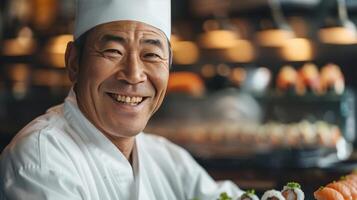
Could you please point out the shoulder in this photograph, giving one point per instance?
(32, 145)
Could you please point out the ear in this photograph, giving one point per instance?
(72, 61)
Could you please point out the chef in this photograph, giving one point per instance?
(92, 147)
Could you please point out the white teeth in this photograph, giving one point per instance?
(127, 99)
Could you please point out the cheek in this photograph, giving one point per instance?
(159, 80)
(95, 71)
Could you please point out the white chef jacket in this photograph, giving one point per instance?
(61, 155)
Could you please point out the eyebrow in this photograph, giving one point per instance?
(154, 42)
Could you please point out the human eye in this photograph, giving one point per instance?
(112, 53)
(152, 56)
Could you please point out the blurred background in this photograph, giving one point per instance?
(261, 91)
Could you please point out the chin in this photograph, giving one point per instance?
(126, 132)
(124, 128)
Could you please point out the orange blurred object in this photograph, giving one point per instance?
(309, 75)
(341, 188)
(332, 78)
(287, 77)
(344, 189)
(186, 82)
(326, 193)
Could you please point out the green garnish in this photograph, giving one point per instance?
(343, 178)
(252, 191)
(321, 187)
(293, 185)
(224, 196)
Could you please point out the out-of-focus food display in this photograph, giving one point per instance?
(305, 131)
(273, 134)
(287, 78)
(309, 79)
(332, 79)
(343, 189)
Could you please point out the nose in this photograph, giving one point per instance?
(132, 70)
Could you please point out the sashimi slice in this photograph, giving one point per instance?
(326, 193)
(342, 188)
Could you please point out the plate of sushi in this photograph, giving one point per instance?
(343, 189)
(291, 191)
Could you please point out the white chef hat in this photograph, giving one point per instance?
(91, 13)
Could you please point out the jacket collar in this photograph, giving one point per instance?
(92, 136)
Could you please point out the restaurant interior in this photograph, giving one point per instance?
(261, 92)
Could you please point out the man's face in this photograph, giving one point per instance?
(122, 76)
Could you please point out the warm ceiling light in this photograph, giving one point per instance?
(23, 44)
(45, 77)
(185, 52)
(174, 38)
(274, 37)
(344, 32)
(208, 71)
(338, 35)
(223, 70)
(210, 25)
(56, 48)
(19, 72)
(238, 75)
(58, 44)
(242, 51)
(297, 49)
(218, 39)
(19, 46)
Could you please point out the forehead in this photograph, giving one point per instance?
(128, 29)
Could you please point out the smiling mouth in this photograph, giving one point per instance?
(129, 100)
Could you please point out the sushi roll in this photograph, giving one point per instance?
(292, 191)
(272, 195)
(248, 195)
